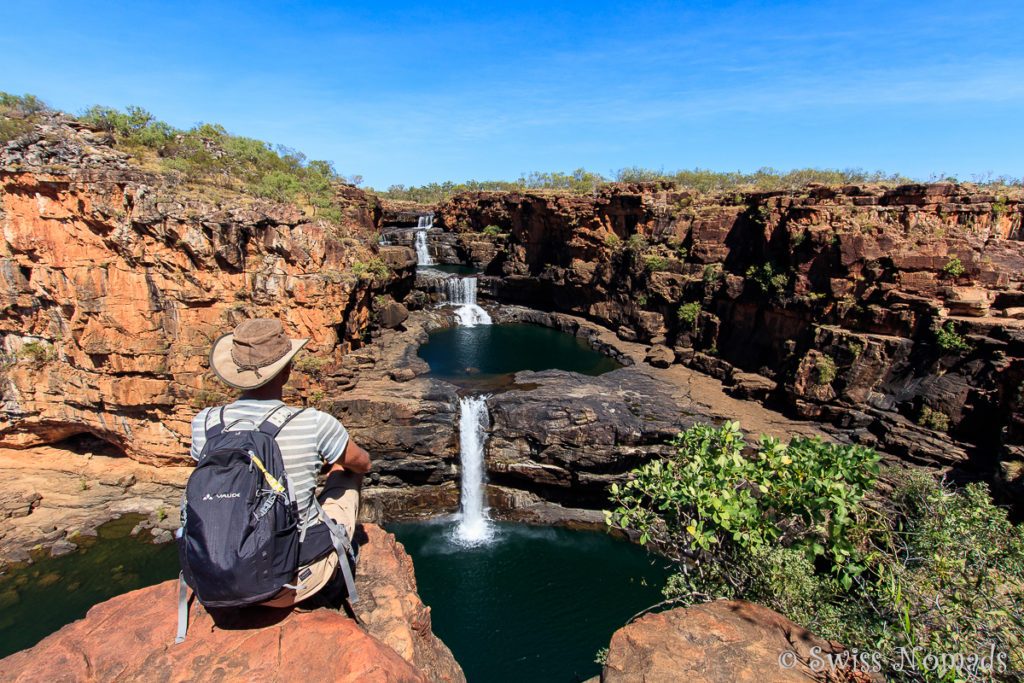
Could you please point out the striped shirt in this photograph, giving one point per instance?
(307, 442)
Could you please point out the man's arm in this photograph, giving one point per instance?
(354, 459)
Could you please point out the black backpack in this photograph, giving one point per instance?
(239, 542)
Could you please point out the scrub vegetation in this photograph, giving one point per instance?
(927, 577)
(582, 181)
(208, 154)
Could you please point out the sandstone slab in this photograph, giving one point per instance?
(725, 641)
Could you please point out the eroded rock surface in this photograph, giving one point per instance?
(114, 282)
(131, 637)
(718, 642)
(891, 313)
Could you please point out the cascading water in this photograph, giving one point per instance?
(422, 251)
(474, 528)
(461, 293)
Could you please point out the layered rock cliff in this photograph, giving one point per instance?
(114, 281)
(893, 313)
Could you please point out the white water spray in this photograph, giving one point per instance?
(461, 293)
(422, 252)
(474, 528)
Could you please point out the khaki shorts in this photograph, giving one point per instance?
(340, 500)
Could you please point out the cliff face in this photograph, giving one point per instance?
(894, 313)
(114, 282)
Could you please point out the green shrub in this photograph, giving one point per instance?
(374, 268)
(948, 339)
(656, 263)
(712, 272)
(37, 351)
(688, 314)
(954, 268)
(492, 231)
(825, 369)
(17, 114)
(933, 419)
(636, 243)
(768, 277)
(927, 572)
(612, 241)
(711, 502)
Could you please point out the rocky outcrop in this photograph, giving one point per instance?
(114, 282)
(52, 498)
(722, 642)
(890, 312)
(556, 439)
(131, 637)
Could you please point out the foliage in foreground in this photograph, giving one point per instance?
(921, 582)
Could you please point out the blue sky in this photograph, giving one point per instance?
(404, 93)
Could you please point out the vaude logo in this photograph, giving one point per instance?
(222, 495)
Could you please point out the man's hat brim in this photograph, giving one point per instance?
(224, 366)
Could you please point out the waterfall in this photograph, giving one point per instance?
(461, 293)
(474, 527)
(422, 252)
(425, 222)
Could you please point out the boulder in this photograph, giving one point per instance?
(660, 356)
(717, 642)
(393, 315)
(131, 637)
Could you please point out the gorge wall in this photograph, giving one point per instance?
(892, 313)
(115, 281)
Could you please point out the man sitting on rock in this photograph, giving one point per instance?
(257, 358)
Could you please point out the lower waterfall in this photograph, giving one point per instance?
(473, 527)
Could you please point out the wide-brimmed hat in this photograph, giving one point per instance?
(254, 353)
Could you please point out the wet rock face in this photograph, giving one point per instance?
(114, 283)
(884, 311)
(132, 636)
(571, 435)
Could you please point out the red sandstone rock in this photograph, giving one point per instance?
(131, 637)
(113, 283)
(726, 641)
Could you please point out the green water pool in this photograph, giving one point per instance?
(38, 599)
(535, 604)
(483, 357)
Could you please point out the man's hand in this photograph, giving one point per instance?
(354, 459)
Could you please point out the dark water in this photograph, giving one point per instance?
(38, 599)
(455, 268)
(534, 605)
(484, 356)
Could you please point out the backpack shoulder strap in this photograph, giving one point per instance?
(216, 429)
(275, 421)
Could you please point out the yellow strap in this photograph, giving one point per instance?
(274, 483)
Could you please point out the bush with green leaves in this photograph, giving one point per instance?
(954, 268)
(17, 114)
(927, 573)
(492, 231)
(948, 339)
(824, 369)
(711, 501)
(208, 154)
(655, 263)
(688, 314)
(769, 277)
